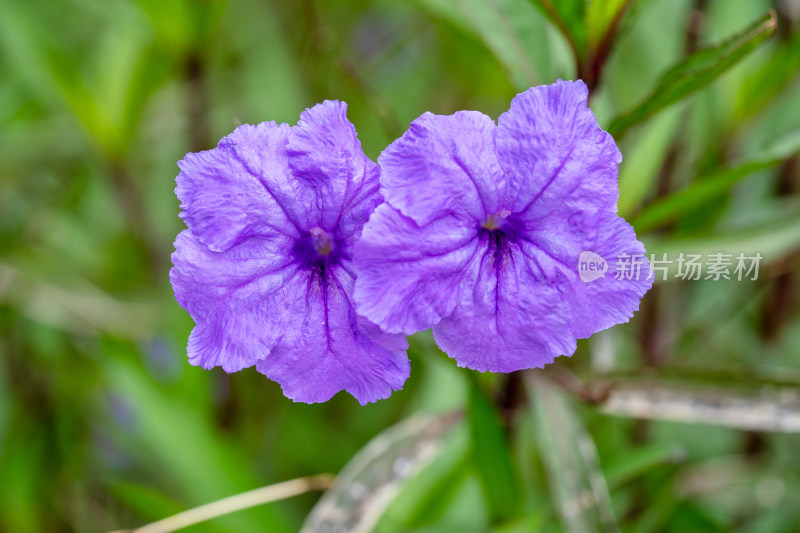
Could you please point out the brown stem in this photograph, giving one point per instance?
(695, 26)
(783, 290)
(652, 333)
(510, 397)
(591, 70)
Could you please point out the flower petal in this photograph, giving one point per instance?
(408, 276)
(511, 317)
(236, 298)
(328, 348)
(240, 189)
(555, 153)
(556, 246)
(324, 153)
(441, 165)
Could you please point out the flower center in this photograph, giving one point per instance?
(317, 249)
(495, 221)
(322, 241)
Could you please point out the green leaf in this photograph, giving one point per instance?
(577, 484)
(638, 462)
(184, 25)
(372, 479)
(589, 28)
(145, 500)
(601, 17)
(47, 69)
(511, 29)
(22, 477)
(493, 458)
(672, 207)
(773, 240)
(768, 78)
(660, 508)
(569, 16)
(126, 72)
(677, 204)
(644, 154)
(697, 71)
(176, 441)
(426, 498)
(129, 73)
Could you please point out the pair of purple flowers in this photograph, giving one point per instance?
(309, 261)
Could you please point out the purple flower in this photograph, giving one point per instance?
(483, 228)
(265, 268)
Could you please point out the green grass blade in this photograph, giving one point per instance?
(672, 207)
(372, 479)
(493, 458)
(774, 240)
(682, 202)
(600, 17)
(569, 16)
(578, 486)
(697, 71)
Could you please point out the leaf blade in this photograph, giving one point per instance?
(571, 460)
(694, 196)
(697, 71)
(372, 478)
(492, 457)
(569, 16)
(773, 240)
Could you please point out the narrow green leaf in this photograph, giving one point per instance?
(129, 72)
(600, 18)
(147, 501)
(769, 78)
(644, 154)
(569, 16)
(576, 482)
(493, 458)
(184, 25)
(22, 478)
(373, 478)
(773, 240)
(660, 508)
(697, 71)
(47, 69)
(641, 461)
(427, 498)
(173, 439)
(672, 207)
(108, 103)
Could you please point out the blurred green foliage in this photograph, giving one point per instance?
(103, 424)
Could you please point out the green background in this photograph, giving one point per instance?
(104, 425)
